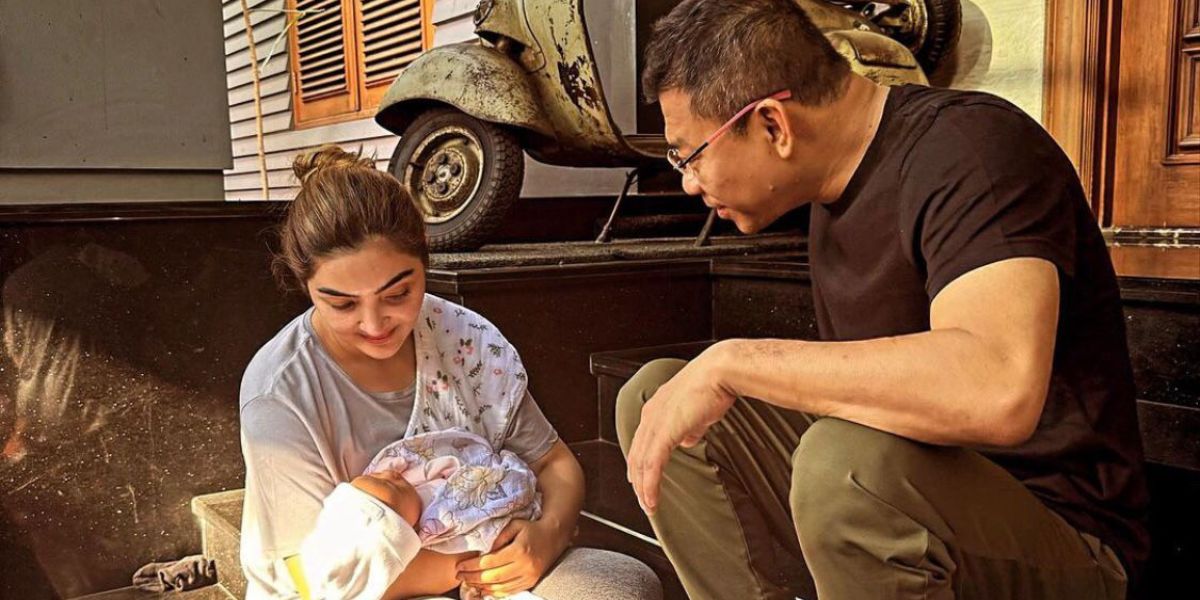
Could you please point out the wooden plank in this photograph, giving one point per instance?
(380, 148)
(362, 129)
(243, 76)
(270, 86)
(275, 103)
(271, 28)
(281, 121)
(232, 9)
(235, 26)
(1174, 262)
(286, 193)
(241, 57)
(252, 181)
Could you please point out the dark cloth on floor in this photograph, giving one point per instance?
(184, 574)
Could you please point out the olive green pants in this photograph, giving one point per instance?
(874, 515)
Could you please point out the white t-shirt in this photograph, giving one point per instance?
(305, 427)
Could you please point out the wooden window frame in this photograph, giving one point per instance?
(362, 99)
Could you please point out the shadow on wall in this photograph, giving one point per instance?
(122, 350)
(972, 58)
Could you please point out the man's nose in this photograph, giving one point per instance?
(691, 185)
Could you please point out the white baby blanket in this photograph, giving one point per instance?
(469, 491)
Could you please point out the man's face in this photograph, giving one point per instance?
(741, 175)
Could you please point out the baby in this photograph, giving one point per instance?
(456, 491)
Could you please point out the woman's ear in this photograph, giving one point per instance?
(777, 129)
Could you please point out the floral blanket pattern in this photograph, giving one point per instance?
(469, 491)
(468, 375)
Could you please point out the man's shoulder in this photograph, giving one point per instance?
(915, 101)
(974, 133)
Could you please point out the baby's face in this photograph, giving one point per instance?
(388, 487)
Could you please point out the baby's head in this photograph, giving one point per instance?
(390, 488)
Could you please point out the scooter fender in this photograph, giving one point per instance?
(476, 79)
(877, 57)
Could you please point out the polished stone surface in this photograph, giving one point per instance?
(123, 348)
(565, 253)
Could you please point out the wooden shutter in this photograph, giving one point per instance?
(324, 73)
(391, 34)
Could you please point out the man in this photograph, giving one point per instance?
(966, 427)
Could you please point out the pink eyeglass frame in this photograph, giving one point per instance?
(681, 165)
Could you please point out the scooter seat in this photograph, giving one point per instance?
(650, 144)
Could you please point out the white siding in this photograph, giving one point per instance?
(282, 142)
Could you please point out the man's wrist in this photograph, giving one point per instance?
(721, 358)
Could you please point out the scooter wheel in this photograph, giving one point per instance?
(463, 174)
(943, 23)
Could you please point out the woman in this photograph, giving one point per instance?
(376, 360)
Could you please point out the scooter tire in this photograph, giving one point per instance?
(501, 174)
(942, 32)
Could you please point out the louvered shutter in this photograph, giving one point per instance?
(324, 73)
(391, 35)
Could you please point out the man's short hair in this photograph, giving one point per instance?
(727, 53)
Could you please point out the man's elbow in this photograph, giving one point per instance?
(1017, 419)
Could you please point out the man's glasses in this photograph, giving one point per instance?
(681, 164)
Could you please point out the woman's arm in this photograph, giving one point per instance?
(560, 479)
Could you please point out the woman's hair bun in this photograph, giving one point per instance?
(328, 157)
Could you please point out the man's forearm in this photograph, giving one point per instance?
(942, 386)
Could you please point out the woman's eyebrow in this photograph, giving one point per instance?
(397, 279)
(393, 281)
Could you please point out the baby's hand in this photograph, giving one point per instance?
(393, 490)
(468, 592)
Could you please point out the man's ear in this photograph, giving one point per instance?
(776, 127)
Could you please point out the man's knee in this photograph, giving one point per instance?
(835, 464)
(637, 391)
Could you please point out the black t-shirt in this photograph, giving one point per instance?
(956, 180)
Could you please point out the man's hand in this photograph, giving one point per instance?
(679, 414)
(394, 491)
(520, 556)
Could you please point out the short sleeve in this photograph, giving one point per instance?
(530, 435)
(286, 481)
(985, 183)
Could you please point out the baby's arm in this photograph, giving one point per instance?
(363, 541)
(430, 573)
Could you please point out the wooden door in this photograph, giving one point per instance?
(1123, 97)
(1157, 151)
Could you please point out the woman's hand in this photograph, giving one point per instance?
(521, 554)
(393, 490)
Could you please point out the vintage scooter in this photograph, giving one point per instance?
(467, 112)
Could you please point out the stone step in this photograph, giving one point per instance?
(612, 369)
(220, 516)
(212, 592)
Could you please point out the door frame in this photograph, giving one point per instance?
(1079, 103)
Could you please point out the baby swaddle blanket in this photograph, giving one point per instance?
(469, 491)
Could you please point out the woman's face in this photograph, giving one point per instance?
(368, 299)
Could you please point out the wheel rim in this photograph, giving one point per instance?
(445, 172)
(909, 27)
(918, 26)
